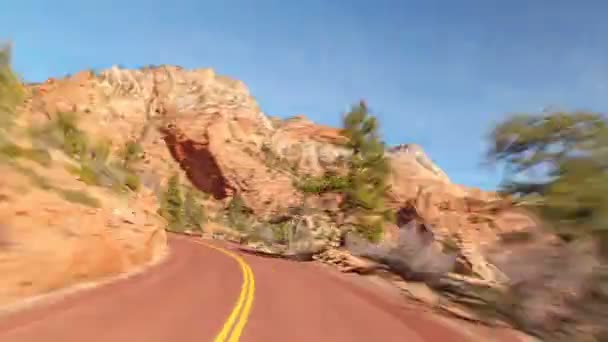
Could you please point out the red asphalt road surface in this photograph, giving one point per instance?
(189, 296)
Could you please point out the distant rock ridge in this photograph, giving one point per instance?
(420, 156)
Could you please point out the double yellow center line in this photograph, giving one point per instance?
(233, 327)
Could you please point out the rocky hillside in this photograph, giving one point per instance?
(214, 129)
(56, 230)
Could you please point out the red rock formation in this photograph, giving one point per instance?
(227, 145)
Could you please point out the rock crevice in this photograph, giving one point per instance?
(199, 164)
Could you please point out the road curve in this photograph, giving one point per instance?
(191, 296)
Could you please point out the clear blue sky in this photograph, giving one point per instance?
(437, 73)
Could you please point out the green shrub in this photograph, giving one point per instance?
(193, 213)
(182, 211)
(112, 175)
(171, 206)
(75, 196)
(132, 181)
(79, 197)
(100, 151)
(97, 168)
(75, 144)
(12, 151)
(62, 132)
(86, 174)
(96, 164)
(279, 233)
(131, 153)
(326, 183)
(372, 232)
(238, 214)
(40, 156)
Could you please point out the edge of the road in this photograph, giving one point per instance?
(58, 295)
(230, 332)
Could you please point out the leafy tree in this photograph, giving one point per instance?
(557, 165)
(368, 171)
(561, 161)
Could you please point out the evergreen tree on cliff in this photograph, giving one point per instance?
(193, 212)
(368, 171)
(172, 204)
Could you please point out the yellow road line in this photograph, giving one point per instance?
(238, 317)
(240, 325)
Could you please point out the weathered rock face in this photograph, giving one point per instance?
(49, 240)
(309, 148)
(410, 160)
(217, 133)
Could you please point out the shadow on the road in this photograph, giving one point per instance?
(300, 257)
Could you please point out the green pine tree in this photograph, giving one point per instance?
(193, 211)
(368, 171)
(172, 204)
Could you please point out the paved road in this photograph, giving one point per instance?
(202, 293)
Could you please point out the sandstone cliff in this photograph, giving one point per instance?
(216, 132)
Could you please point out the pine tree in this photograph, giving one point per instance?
(172, 204)
(193, 211)
(368, 171)
(561, 161)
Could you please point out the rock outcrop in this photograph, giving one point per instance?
(215, 130)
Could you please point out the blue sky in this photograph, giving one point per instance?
(436, 73)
